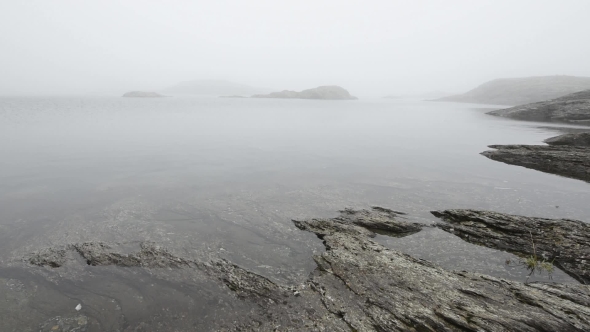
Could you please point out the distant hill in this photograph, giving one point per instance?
(332, 92)
(518, 91)
(214, 88)
(573, 108)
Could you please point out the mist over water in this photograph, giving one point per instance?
(188, 166)
(210, 178)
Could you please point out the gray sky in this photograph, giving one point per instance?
(371, 48)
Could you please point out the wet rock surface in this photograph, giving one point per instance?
(65, 324)
(360, 285)
(572, 108)
(567, 155)
(569, 161)
(102, 254)
(563, 241)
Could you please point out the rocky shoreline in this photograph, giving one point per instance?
(566, 155)
(564, 242)
(360, 285)
(573, 108)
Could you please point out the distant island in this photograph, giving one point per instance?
(518, 91)
(142, 94)
(573, 108)
(214, 88)
(235, 96)
(425, 95)
(328, 92)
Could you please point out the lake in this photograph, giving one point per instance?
(212, 178)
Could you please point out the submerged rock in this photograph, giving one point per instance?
(102, 254)
(565, 160)
(142, 94)
(565, 242)
(573, 108)
(65, 324)
(322, 92)
(52, 257)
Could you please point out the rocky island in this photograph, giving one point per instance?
(142, 94)
(524, 90)
(328, 92)
(573, 108)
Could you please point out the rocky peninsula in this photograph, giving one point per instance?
(360, 285)
(522, 90)
(329, 92)
(566, 155)
(573, 108)
(142, 94)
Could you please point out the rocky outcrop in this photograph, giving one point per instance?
(142, 94)
(573, 108)
(150, 255)
(563, 241)
(519, 91)
(568, 161)
(580, 139)
(359, 285)
(52, 257)
(568, 155)
(331, 92)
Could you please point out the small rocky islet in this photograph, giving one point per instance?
(328, 92)
(142, 94)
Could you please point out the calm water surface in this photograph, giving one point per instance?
(210, 178)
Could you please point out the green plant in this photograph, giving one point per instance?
(534, 263)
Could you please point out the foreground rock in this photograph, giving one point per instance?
(568, 155)
(142, 94)
(331, 92)
(566, 242)
(573, 108)
(524, 90)
(359, 285)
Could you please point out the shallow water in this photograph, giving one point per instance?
(210, 177)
